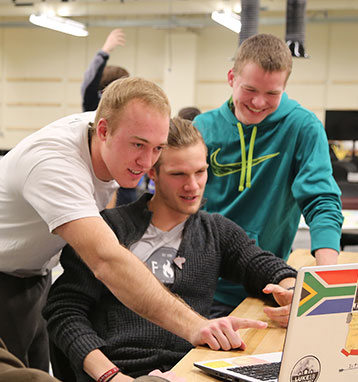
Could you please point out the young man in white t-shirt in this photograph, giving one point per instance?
(53, 186)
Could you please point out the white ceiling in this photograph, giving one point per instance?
(164, 13)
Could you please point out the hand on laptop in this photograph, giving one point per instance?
(221, 333)
(283, 297)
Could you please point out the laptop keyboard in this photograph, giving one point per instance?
(264, 371)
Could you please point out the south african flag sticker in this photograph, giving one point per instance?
(328, 292)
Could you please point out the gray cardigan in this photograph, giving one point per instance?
(83, 314)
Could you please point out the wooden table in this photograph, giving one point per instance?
(303, 258)
(257, 341)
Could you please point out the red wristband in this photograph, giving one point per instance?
(108, 374)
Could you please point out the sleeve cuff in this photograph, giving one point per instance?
(328, 238)
(103, 54)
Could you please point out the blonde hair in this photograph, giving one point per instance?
(267, 51)
(182, 133)
(117, 94)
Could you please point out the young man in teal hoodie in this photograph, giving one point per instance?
(269, 161)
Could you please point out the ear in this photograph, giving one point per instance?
(102, 129)
(151, 174)
(230, 77)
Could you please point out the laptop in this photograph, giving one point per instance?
(321, 343)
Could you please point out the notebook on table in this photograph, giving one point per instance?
(321, 343)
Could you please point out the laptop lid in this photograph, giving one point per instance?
(321, 342)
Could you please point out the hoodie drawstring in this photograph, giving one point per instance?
(246, 167)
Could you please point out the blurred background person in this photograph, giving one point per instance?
(189, 112)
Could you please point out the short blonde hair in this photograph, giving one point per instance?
(117, 95)
(267, 51)
(182, 133)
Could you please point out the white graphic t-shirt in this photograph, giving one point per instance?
(157, 249)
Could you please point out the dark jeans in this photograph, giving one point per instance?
(22, 326)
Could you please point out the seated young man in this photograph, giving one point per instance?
(186, 248)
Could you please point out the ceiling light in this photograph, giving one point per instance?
(59, 24)
(228, 19)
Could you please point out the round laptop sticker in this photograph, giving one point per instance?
(307, 369)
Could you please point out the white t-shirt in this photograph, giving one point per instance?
(45, 181)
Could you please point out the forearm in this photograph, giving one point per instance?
(144, 294)
(94, 71)
(91, 80)
(316, 191)
(96, 364)
(129, 279)
(326, 256)
(324, 218)
(266, 268)
(287, 283)
(244, 262)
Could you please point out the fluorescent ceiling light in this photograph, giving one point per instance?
(59, 24)
(228, 19)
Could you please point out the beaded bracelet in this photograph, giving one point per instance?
(108, 375)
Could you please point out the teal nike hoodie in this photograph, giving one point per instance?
(264, 176)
